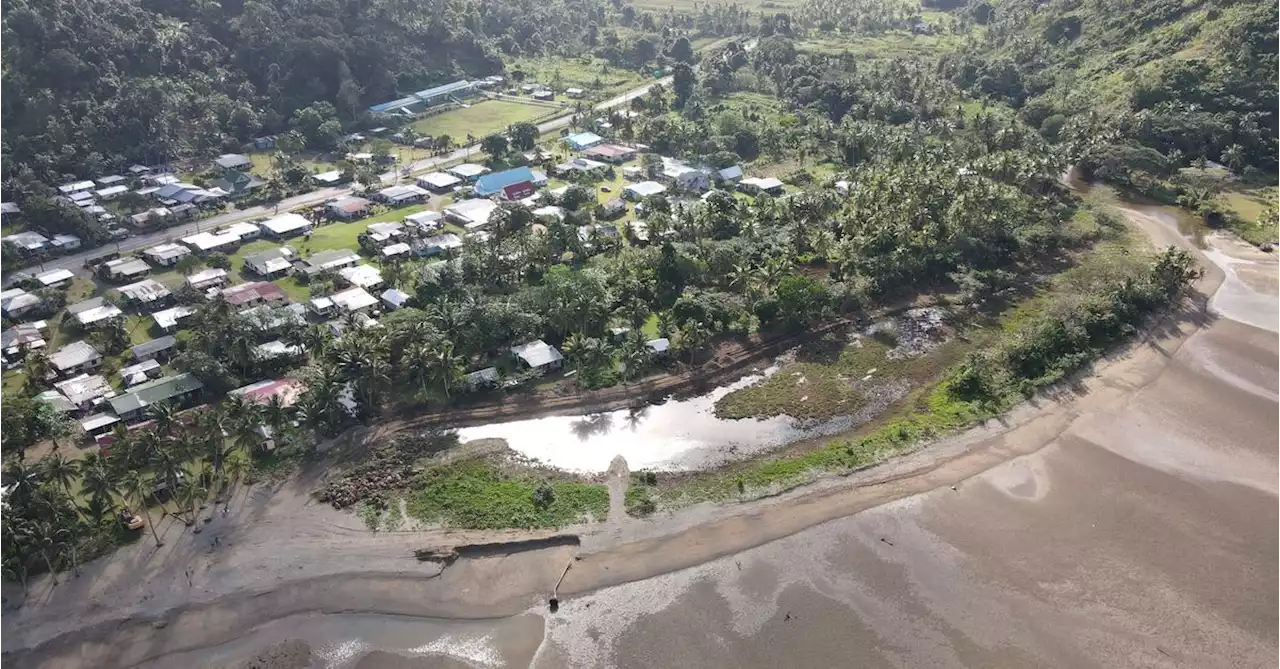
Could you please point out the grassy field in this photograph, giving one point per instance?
(478, 120)
(475, 494)
(891, 45)
(594, 75)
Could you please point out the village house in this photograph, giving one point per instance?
(683, 176)
(378, 235)
(574, 93)
(581, 141)
(55, 277)
(153, 216)
(245, 295)
(538, 355)
(271, 263)
(65, 243)
(435, 245)
(169, 319)
(85, 391)
(330, 178)
(756, 186)
(234, 161)
(347, 208)
(611, 153)
(111, 192)
(173, 390)
(611, 209)
(285, 225)
(471, 214)
(125, 269)
(205, 243)
(482, 378)
(394, 298)
(209, 278)
(468, 172)
(328, 261)
(94, 311)
(75, 187)
(27, 242)
(19, 339)
(156, 349)
(75, 358)
(404, 194)
(580, 166)
(238, 184)
(396, 251)
(363, 276)
(276, 349)
(145, 293)
(15, 302)
(497, 183)
(353, 300)
(140, 372)
(286, 391)
(729, 175)
(424, 221)
(166, 255)
(438, 181)
(639, 191)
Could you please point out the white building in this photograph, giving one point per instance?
(353, 299)
(166, 255)
(285, 225)
(363, 276)
(472, 214)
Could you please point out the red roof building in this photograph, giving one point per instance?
(517, 191)
(253, 294)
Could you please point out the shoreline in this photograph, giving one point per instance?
(683, 539)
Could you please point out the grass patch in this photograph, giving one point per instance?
(475, 494)
(893, 45)
(593, 75)
(478, 120)
(827, 379)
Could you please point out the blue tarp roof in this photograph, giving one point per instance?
(583, 139)
(493, 183)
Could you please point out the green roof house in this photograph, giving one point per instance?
(175, 390)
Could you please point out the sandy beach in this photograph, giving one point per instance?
(1128, 520)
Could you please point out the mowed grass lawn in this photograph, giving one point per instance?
(478, 120)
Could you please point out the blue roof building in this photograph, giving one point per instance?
(492, 184)
(583, 140)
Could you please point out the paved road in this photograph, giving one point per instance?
(75, 262)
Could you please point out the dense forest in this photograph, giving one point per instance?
(1155, 85)
(91, 84)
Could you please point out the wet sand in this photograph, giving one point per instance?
(1128, 522)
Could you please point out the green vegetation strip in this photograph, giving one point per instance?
(477, 495)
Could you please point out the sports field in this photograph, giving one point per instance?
(478, 120)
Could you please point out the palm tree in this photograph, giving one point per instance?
(575, 347)
(237, 467)
(164, 417)
(42, 535)
(61, 470)
(137, 488)
(192, 494)
(98, 485)
(446, 367)
(24, 478)
(14, 568)
(67, 535)
(37, 368)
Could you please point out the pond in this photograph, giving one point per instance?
(676, 435)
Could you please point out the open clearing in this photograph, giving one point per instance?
(478, 120)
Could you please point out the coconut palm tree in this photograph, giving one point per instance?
(61, 470)
(164, 417)
(137, 489)
(98, 485)
(24, 478)
(42, 535)
(446, 367)
(66, 532)
(237, 467)
(192, 494)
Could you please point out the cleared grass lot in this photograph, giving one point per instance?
(478, 120)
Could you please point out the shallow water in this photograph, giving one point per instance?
(339, 641)
(676, 435)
